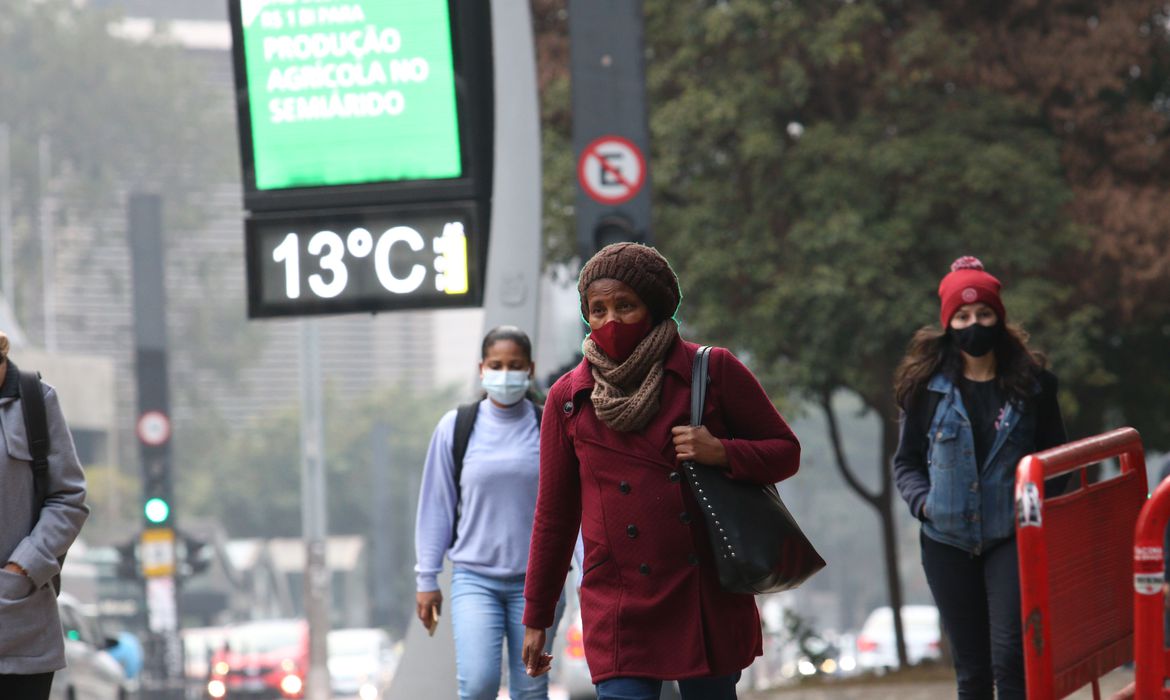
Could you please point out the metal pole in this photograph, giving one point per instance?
(514, 253)
(48, 247)
(384, 537)
(163, 675)
(7, 264)
(313, 513)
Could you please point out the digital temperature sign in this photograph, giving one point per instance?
(362, 260)
(366, 145)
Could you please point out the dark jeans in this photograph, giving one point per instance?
(717, 688)
(978, 600)
(31, 687)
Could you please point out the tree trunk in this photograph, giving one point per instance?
(882, 502)
(890, 535)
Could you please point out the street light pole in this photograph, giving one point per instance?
(313, 511)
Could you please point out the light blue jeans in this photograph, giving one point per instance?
(484, 612)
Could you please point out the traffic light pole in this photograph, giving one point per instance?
(163, 673)
(611, 133)
(313, 511)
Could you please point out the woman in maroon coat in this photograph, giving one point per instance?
(614, 433)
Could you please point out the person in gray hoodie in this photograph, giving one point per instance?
(32, 647)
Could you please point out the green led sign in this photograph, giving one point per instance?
(348, 92)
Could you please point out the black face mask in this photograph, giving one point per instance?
(977, 339)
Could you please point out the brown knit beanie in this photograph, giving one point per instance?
(641, 267)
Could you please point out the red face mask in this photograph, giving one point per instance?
(618, 340)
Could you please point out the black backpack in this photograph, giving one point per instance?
(36, 426)
(465, 417)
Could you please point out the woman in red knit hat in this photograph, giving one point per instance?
(614, 434)
(975, 400)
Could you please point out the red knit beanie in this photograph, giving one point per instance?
(967, 283)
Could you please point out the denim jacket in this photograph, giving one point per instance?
(969, 508)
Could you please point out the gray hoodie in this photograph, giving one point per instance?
(30, 628)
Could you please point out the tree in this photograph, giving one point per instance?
(251, 482)
(1098, 75)
(112, 116)
(117, 114)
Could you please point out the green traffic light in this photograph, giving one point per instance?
(157, 510)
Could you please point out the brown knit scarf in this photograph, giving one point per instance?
(626, 396)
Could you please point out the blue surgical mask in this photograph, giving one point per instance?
(506, 386)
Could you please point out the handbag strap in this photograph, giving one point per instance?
(699, 381)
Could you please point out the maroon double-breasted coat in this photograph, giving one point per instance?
(651, 604)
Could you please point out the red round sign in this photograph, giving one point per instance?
(611, 170)
(154, 428)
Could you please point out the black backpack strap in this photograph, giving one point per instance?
(539, 411)
(36, 430)
(465, 417)
(36, 426)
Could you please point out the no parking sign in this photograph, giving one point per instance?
(154, 428)
(611, 170)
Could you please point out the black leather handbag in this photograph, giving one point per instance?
(758, 546)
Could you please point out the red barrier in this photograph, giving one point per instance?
(1148, 603)
(1075, 603)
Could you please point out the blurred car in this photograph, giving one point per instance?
(199, 645)
(361, 662)
(261, 660)
(875, 642)
(91, 673)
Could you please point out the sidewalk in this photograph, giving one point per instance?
(935, 686)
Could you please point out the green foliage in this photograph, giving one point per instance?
(818, 168)
(559, 175)
(116, 113)
(116, 116)
(251, 482)
(109, 492)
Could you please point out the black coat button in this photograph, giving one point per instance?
(624, 487)
(567, 407)
(675, 477)
(644, 569)
(632, 531)
(693, 560)
(685, 517)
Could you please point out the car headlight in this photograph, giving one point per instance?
(221, 668)
(216, 689)
(291, 684)
(368, 692)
